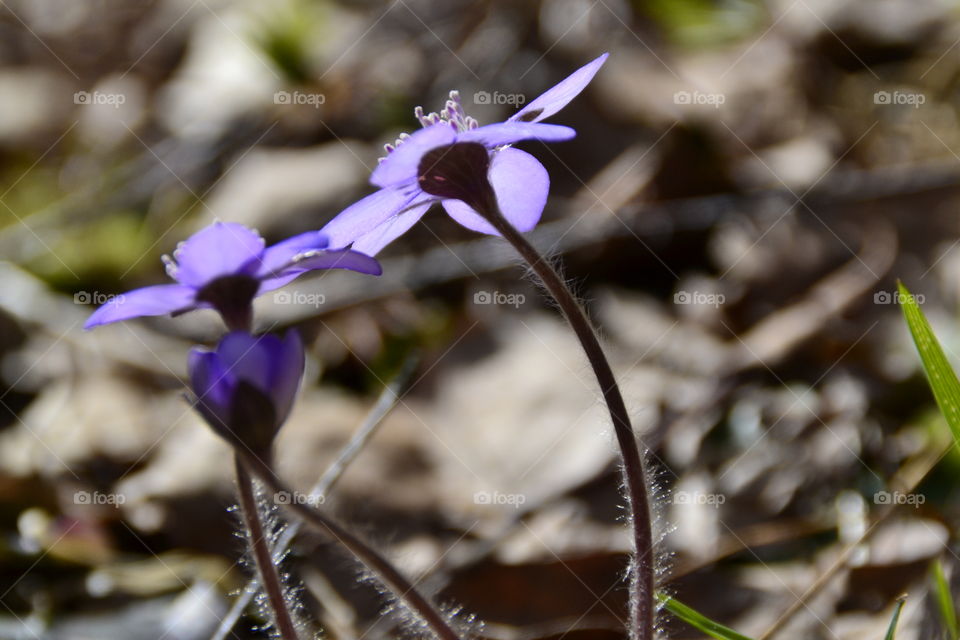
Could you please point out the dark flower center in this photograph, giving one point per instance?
(458, 171)
(232, 296)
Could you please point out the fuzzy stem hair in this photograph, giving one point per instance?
(642, 569)
(389, 576)
(269, 576)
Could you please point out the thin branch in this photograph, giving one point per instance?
(900, 483)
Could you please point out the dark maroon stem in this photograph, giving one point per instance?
(642, 573)
(238, 319)
(269, 576)
(401, 588)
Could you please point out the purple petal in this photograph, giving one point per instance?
(286, 277)
(221, 249)
(496, 135)
(521, 184)
(157, 300)
(557, 97)
(468, 217)
(287, 370)
(322, 259)
(338, 259)
(364, 215)
(372, 242)
(280, 255)
(249, 358)
(400, 167)
(212, 385)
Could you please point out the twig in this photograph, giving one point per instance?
(907, 485)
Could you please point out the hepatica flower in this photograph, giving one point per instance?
(224, 267)
(245, 388)
(470, 170)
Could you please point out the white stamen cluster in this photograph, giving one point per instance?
(171, 266)
(452, 114)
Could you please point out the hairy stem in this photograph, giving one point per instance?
(385, 402)
(269, 577)
(642, 573)
(402, 588)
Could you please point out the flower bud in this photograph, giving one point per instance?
(245, 388)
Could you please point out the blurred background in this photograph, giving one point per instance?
(748, 182)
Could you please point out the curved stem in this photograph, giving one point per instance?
(402, 588)
(269, 577)
(642, 574)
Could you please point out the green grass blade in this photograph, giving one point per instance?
(943, 380)
(892, 629)
(944, 600)
(698, 620)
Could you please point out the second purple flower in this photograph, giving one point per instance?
(452, 160)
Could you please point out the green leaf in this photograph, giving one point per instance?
(943, 380)
(892, 629)
(698, 620)
(944, 600)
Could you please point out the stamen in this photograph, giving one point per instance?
(170, 265)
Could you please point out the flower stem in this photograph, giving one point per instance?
(642, 572)
(402, 588)
(269, 577)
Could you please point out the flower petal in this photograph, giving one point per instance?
(338, 259)
(496, 135)
(557, 97)
(280, 255)
(248, 358)
(521, 184)
(286, 372)
(400, 167)
(221, 249)
(212, 385)
(322, 259)
(468, 217)
(372, 242)
(157, 300)
(363, 216)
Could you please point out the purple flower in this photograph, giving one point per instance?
(246, 387)
(454, 161)
(224, 267)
